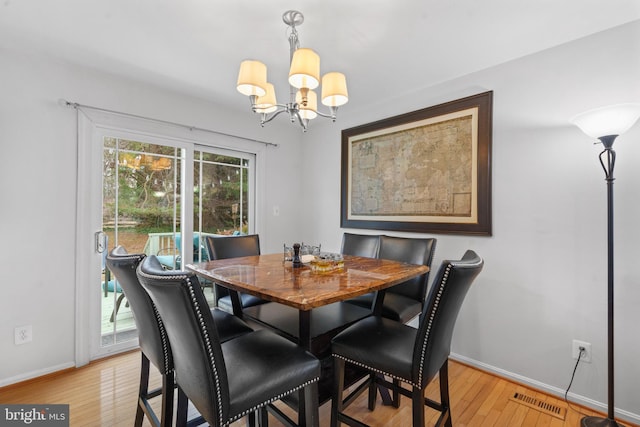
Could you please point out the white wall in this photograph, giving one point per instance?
(38, 192)
(545, 277)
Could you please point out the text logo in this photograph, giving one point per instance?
(34, 415)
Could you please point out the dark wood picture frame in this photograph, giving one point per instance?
(475, 114)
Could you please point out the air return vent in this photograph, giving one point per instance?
(539, 405)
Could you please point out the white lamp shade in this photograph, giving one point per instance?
(334, 89)
(308, 112)
(252, 78)
(305, 69)
(267, 103)
(605, 121)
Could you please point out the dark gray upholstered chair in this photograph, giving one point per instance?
(406, 354)
(227, 381)
(365, 245)
(152, 336)
(404, 301)
(233, 247)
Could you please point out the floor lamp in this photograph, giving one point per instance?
(606, 124)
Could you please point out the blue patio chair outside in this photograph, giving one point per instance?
(174, 261)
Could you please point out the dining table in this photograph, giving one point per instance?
(307, 300)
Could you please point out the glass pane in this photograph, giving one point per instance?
(141, 197)
(221, 195)
(221, 189)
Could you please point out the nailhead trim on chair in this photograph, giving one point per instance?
(168, 369)
(207, 340)
(278, 397)
(362, 365)
(171, 277)
(445, 277)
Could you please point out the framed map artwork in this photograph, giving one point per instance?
(428, 171)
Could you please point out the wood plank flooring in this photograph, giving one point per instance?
(104, 394)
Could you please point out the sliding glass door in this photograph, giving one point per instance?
(162, 197)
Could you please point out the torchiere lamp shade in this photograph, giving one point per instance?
(605, 121)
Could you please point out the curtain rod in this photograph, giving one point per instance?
(77, 106)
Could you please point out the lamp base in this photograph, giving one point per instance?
(599, 422)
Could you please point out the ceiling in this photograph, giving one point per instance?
(385, 47)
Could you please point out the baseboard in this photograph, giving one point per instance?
(546, 388)
(35, 374)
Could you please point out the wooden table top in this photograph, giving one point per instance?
(270, 278)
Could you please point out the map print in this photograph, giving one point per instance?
(417, 172)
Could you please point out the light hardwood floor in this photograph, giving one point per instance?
(104, 394)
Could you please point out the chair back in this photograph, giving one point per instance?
(233, 246)
(151, 333)
(364, 245)
(439, 314)
(197, 353)
(412, 251)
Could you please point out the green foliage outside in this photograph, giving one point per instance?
(148, 179)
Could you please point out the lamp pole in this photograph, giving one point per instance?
(608, 161)
(611, 122)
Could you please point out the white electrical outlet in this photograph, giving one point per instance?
(23, 334)
(575, 350)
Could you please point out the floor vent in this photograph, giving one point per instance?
(545, 407)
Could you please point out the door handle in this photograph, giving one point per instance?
(101, 241)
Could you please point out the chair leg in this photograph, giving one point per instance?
(182, 409)
(302, 407)
(373, 391)
(312, 416)
(263, 417)
(396, 394)
(116, 308)
(444, 393)
(143, 389)
(417, 406)
(168, 387)
(338, 386)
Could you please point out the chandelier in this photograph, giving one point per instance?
(304, 77)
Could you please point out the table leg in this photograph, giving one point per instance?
(304, 328)
(236, 303)
(378, 299)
